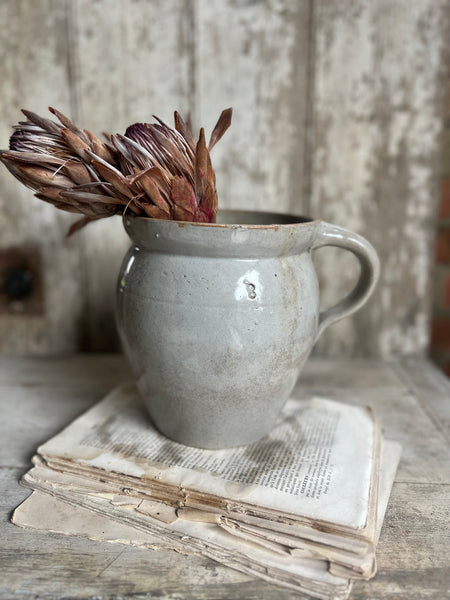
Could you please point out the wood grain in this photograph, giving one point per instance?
(136, 64)
(410, 397)
(37, 397)
(377, 120)
(425, 453)
(254, 56)
(74, 371)
(34, 73)
(338, 112)
(431, 387)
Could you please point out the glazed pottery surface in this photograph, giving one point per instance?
(217, 320)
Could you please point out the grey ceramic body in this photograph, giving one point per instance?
(218, 320)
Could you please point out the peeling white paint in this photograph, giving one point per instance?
(371, 88)
(377, 125)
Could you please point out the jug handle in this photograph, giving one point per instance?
(333, 235)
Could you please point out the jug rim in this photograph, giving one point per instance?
(261, 237)
(237, 218)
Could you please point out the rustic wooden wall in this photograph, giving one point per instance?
(338, 110)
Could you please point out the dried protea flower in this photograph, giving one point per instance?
(54, 160)
(152, 170)
(173, 171)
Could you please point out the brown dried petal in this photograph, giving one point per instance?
(80, 224)
(77, 172)
(61, 205)
(154, 172)
(203, 217)
(35, 158)
(182, 127)
(46, 124)
(53, 193)
(201, 164)
(87, 197)
(180, 214)
(39, 176)
(210, 175)
(152, 190)
(154, 212)
(183, 195)
(76, 144)
(68, 124)
(208, 203)
(221, 126)
(114, 177)
(99, 148)
(12, 167)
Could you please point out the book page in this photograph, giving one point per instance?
(44, 512)
(353, 557)
(316, 463)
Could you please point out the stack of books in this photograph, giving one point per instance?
(301, 508)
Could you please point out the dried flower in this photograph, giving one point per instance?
(153, 170)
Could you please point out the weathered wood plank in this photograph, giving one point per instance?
(335, 373)
(32, 414)
(254, 56)
(410, 397)
(432, 389)
(39, 397)
(377, 120)
(410, 556)
(413, 531)
(76, 383)
(56, 566)
(34, 74)
(425, 455)
(340, 99)
(412, 553)
(136, 64)
(78, 371)
(412, 560)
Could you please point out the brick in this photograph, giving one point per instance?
(438, 295)
(446, 152)
(440, 334)
(446, 368)
(442, 361)
(445, 300)
(443, 246)
(444, 210)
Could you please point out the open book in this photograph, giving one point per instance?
(303, 507)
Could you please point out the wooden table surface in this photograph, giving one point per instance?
(40, 396)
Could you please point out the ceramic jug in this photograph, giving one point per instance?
(217, 320)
